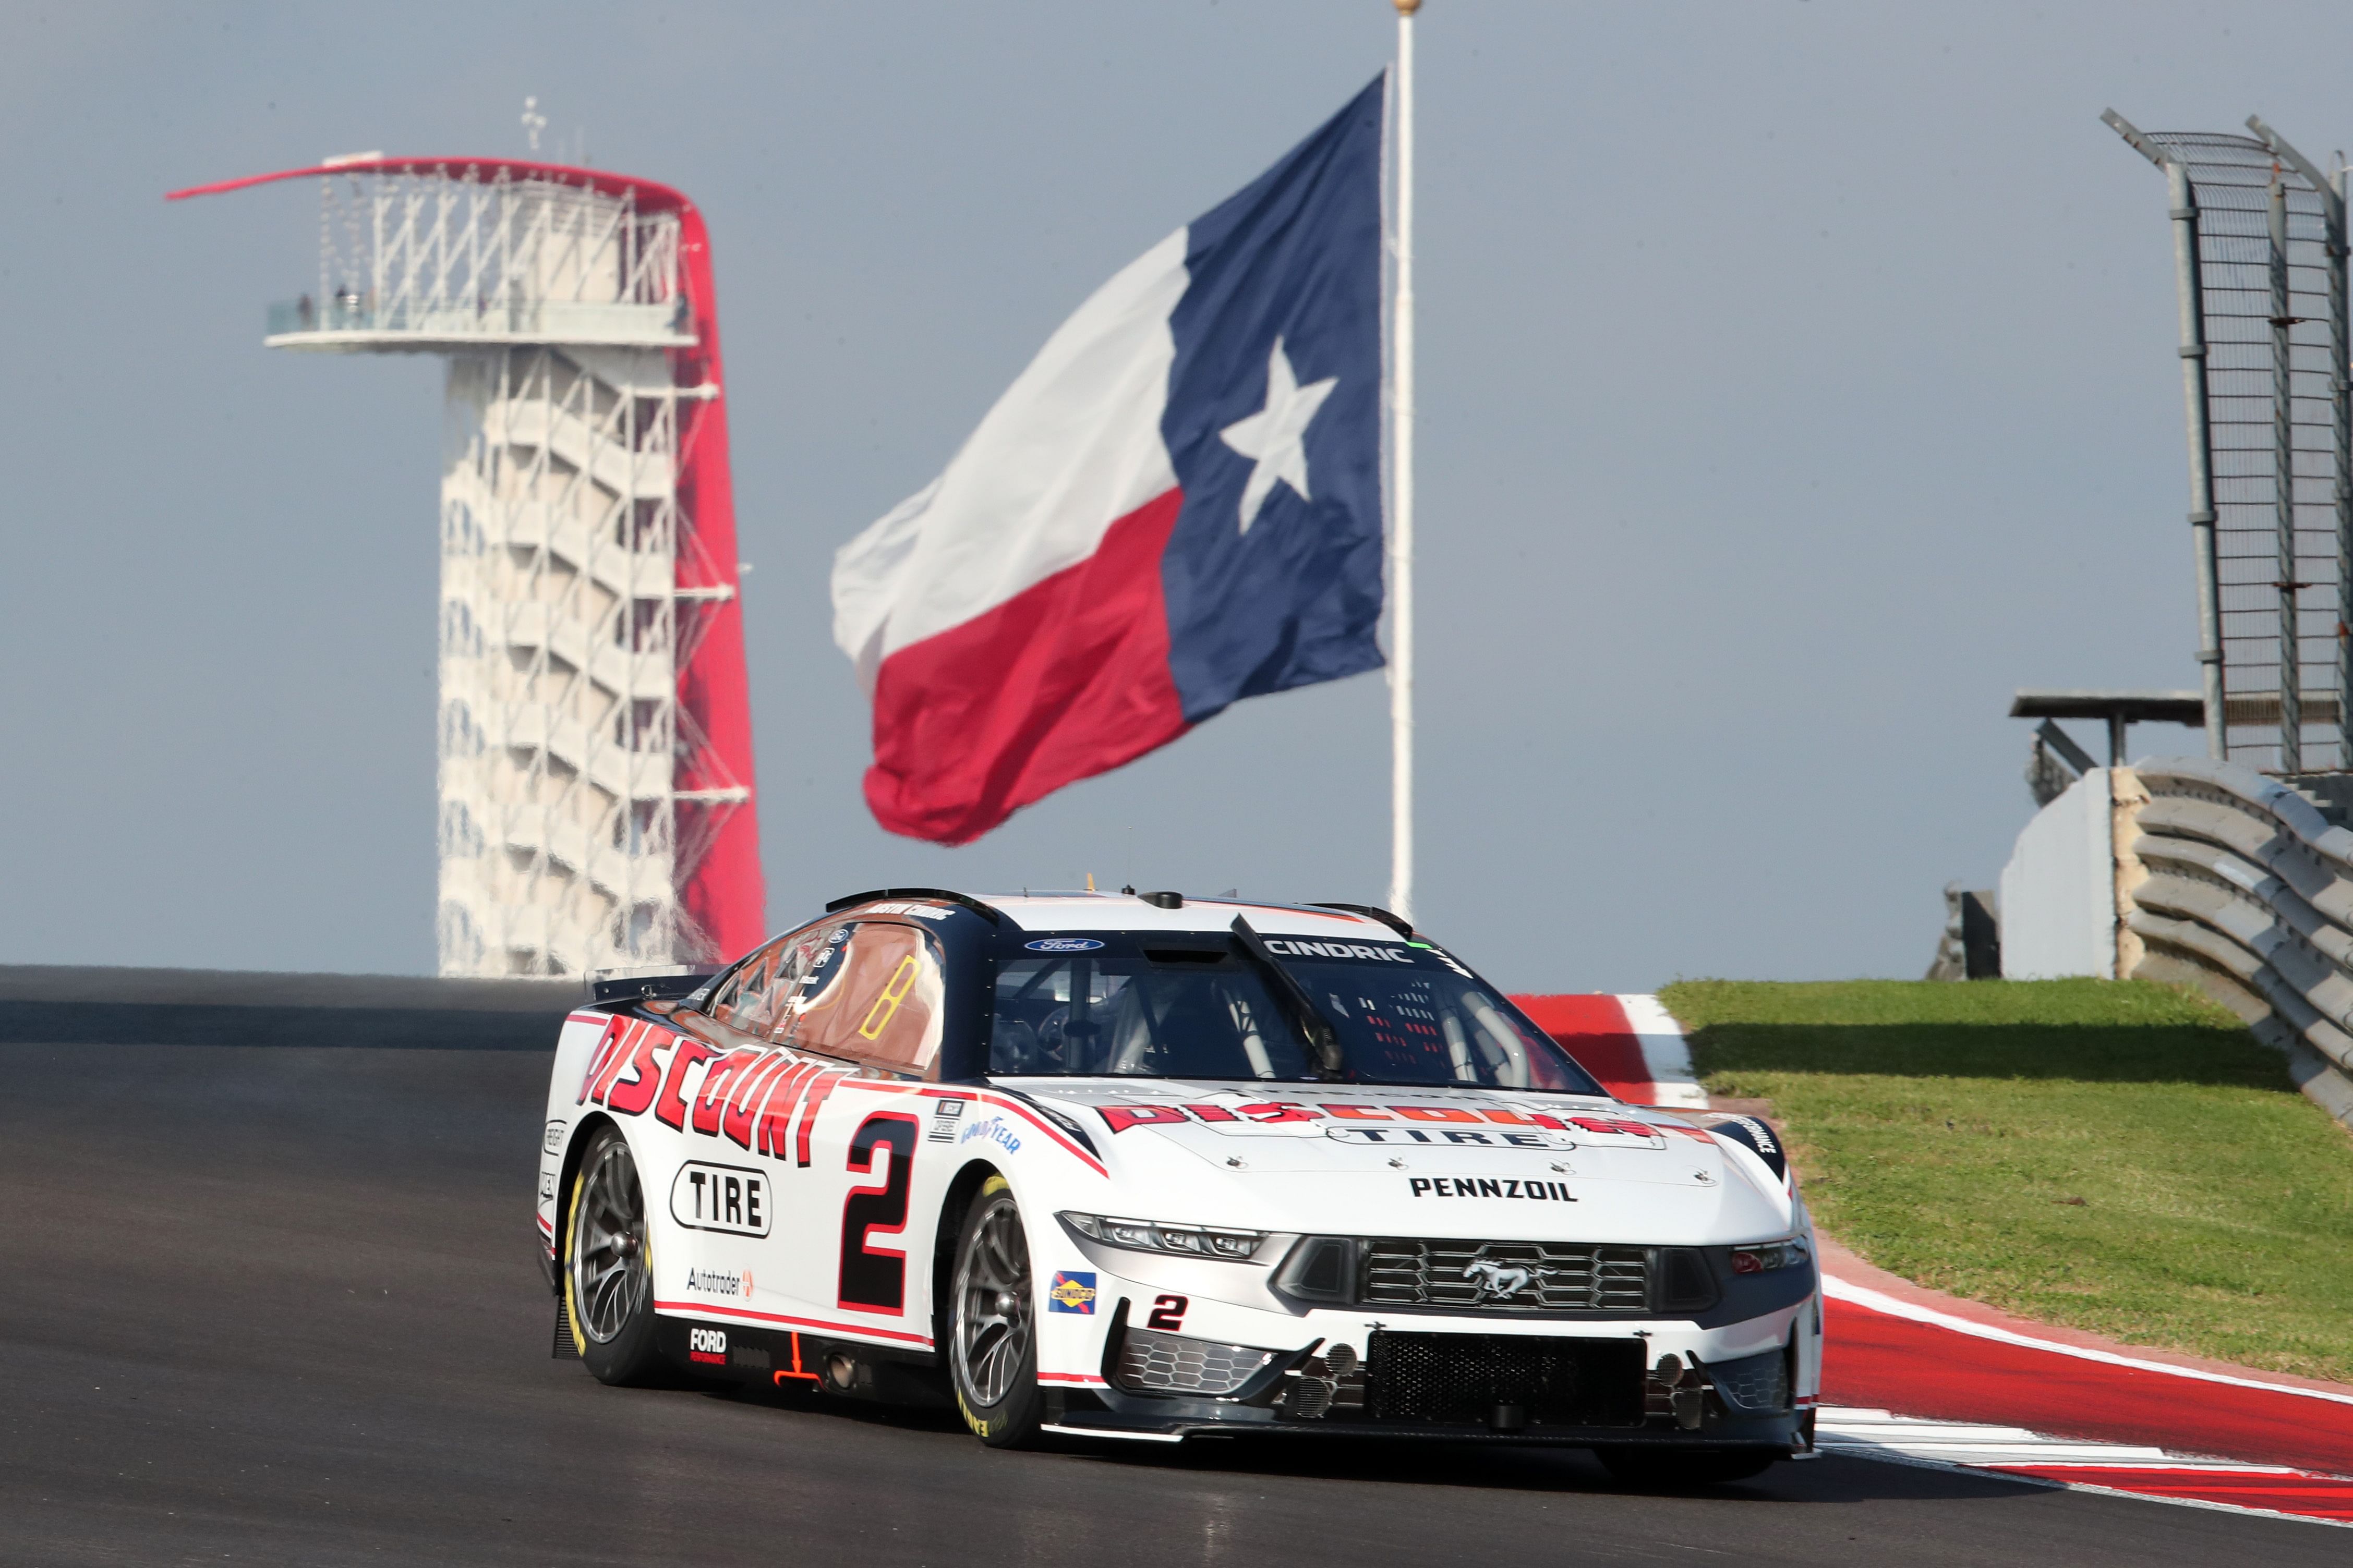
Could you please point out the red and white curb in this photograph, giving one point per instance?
(2119, 1468)
(1631, 1043)
(1984, 1395)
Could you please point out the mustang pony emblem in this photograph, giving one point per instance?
(1499, 1280)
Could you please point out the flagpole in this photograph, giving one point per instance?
(1401, 492)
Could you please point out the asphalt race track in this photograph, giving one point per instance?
(277, 1304)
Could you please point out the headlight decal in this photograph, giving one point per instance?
(1767, 1256)
(1174, 1240)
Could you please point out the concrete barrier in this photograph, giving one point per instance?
(2238, 884)
(87, 1005)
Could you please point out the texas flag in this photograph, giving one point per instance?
(1177, 505)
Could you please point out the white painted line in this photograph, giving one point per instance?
(1666, 1054)
(1967, 1448)
(1972, 1443)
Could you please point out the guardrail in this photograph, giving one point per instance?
(77, 1004)
(2236, 884)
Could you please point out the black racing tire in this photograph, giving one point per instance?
(1676, 1469)
(992, 1324)
(609, 1292)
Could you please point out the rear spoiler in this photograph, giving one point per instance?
(649, 988)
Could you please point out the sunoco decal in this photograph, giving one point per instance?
(1072, 1293)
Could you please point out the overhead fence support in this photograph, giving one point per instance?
(2291, 661)
(2260, 265)
(2189, 286)
(2331, 190)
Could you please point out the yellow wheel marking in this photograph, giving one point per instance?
(571, 1293)
(981, 1428)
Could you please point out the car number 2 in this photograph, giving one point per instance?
(1168, 1312)
(875, 1279)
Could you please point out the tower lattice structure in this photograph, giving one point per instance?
(595, 761)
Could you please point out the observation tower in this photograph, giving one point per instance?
(595, 770)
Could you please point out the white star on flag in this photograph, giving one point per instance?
(1275, 438)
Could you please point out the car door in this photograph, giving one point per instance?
(872, 1000)
(720, 1195)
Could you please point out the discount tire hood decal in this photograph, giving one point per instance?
(1303, 1151)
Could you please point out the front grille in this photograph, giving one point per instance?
(1755, 1384)
(1506, 1276)
(1152, 1362)
(1459, 1379)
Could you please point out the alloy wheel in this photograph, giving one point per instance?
(609, 1244)
(992, 1295)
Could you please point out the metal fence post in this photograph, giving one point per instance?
(2291, 653)
(2189, 286)
(2341, 408)
(2331, 189)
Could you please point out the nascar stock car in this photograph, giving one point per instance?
(1151, 1167)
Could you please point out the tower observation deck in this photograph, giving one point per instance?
(595, 767)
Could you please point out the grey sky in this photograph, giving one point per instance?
(1797, 380)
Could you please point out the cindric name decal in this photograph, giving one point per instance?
(1300, 947)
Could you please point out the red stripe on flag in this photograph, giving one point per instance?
(1594, 1030)
(1066, 679)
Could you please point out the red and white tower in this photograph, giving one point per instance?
(596, 806)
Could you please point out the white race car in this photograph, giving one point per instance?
(1148, 1167)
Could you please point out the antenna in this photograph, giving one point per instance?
(533, 121)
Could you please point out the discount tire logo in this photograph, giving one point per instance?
(720, 1197)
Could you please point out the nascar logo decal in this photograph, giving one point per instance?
(1072, 1293)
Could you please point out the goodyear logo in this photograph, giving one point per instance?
(1072, 1293)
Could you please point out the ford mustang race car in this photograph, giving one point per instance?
(1151, 1167)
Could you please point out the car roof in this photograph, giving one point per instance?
(1124, 912)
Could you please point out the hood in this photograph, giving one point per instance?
(1366, 1160)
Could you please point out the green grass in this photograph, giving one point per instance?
(2118, 1157)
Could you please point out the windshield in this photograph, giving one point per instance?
(1131, 1005)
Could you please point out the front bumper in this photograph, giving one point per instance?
(1124, 1416)
(1546, 1382)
